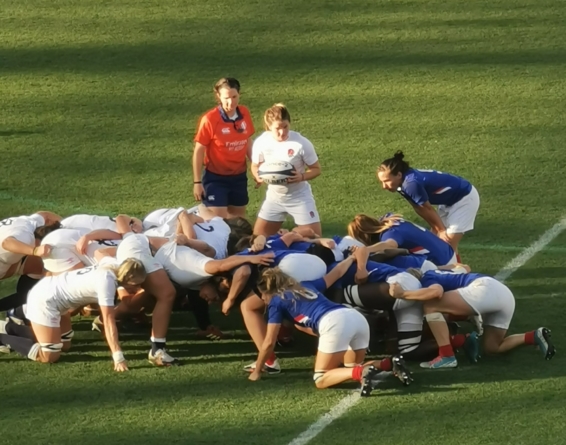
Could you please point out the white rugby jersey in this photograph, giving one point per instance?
(91, 285)
(68, 239)
(20, 228)
(297, 150)
(89, 222)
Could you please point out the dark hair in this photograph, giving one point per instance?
(395, 165)
(323, 252)
(43, 231)
(227, 82)
(239, 225)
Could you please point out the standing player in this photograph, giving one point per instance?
(279, 143)
(222, 143)
(458, 201)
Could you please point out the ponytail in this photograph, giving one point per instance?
(395, 165)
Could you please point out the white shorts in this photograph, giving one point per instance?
(460, 217)
(184, 265)
(136, 245)
(38, 308)
(408, 313)
(62, 259)
(343, 329)
(301, 208)
(492, 300)
(303, 267)
(428, 265)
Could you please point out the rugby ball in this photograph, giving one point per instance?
(276, 172)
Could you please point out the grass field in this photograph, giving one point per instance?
(100, 100)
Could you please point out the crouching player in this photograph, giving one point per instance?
(343, 332)
(451, 293)
(50, 301)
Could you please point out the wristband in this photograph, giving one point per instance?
(303, 176)
(118, 357)
(33, 252)
(197, 182)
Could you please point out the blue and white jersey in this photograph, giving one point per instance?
(306, 311)
(449, 280)
(438, 188)
(378, 273)
(419, 241)
(407, 261)
(275, 245)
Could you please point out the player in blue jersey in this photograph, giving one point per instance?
(446, 292)
(458, 201)
(391, 231)
(343, 332)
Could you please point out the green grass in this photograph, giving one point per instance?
(99, 105)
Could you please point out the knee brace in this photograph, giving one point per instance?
(67, 336)
(51, 347)
(317, 375)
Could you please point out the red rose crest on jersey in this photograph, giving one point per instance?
(290, 152)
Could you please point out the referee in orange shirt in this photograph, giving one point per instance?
(222, 144)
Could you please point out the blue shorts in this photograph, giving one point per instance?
(224, 191)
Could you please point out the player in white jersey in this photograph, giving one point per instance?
(190, 268)
(295, 198)
(215, 231)
(18, 241)
(64, 255)
(95, 222)
(20, 254)
(50, 301)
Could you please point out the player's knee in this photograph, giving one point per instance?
(490, 348)
(318, 379)
(49, 352)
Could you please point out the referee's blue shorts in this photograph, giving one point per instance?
(224, 191)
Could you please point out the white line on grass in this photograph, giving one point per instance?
(531, 251)
(349, 401)
(337, 411)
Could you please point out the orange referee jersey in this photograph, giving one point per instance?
(225, 140)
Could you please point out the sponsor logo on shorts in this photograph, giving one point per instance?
(311, 214)
(290, 152)
(225, 130)
(210, 197)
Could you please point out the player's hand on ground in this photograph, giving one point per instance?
(198, 192)
(255, 375)
(297, 177)
(121, 366)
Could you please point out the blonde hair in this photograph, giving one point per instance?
(275, 282)
(128, 272)
(276, 113)
(362, 227)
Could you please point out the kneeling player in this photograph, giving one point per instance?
(343, 333)
(450, 293)
(50, 301)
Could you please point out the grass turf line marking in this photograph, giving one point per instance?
(337, 411)
(349, 401)
(531, 251)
